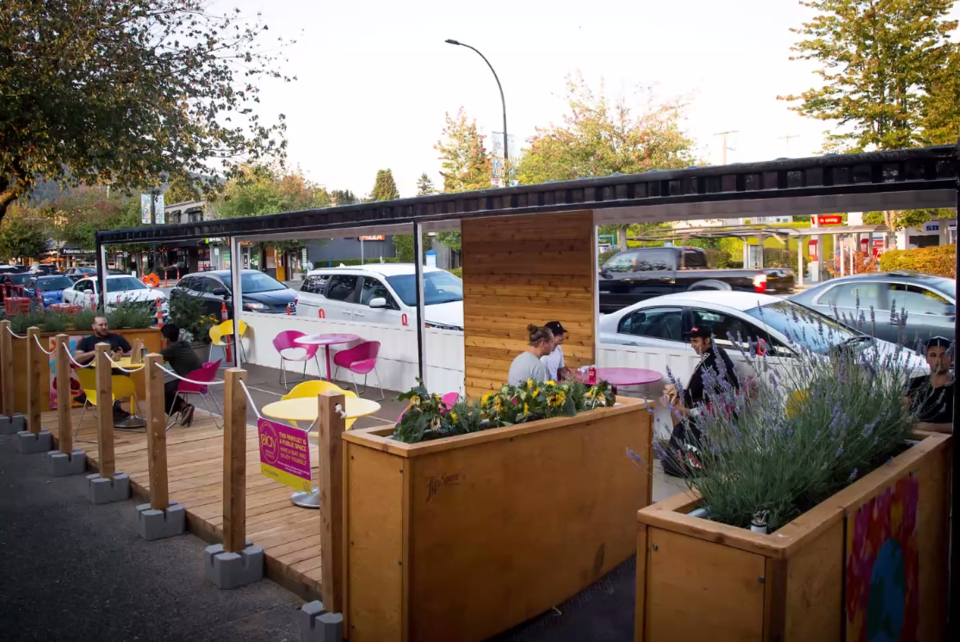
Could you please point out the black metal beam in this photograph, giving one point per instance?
(912, 170)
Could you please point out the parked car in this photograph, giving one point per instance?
(51, 288)
(663, 321)
(383, 293)
(12, 269)
(930, 302)
(43, 269)
(120, 288)
(646, 272)
(261, 292)
(77, 273)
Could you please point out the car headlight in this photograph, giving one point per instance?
(254, 306)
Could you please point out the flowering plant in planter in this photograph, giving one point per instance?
(821, 413)
(427, 418)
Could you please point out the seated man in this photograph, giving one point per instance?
(931, 397)
(553, 362)
(183, 360)
(86, 350)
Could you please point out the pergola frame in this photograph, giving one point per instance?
(889, 180)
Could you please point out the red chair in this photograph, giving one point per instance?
(361, 359)
(286, 340)
(206, 373)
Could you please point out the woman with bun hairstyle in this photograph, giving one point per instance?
(528, 365)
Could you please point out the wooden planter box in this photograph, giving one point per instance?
(149, 336)
(820, 577)
(464, 537)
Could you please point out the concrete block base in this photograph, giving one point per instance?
(233, 570)
(31, 444)
(157, 524)
(103, 490)
(12, 425)
(316, 625)
(63, 464)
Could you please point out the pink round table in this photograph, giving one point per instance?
(326, 340)
(625, 376)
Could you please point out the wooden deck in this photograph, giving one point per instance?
(289, 535)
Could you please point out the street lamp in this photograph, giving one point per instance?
(503, 102)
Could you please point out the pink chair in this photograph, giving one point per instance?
(360, 359)
(286, 340)
(206, 373)
(448, 400)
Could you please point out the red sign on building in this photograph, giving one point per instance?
(832, 219)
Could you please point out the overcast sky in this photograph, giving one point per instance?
(375, 77)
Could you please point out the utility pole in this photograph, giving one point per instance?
(725, 148)
(786, 140)
(153, 222)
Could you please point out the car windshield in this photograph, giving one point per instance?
(18, 279)
(438, 287)
(49, 283)
(253, 282)
(803, 325)
(943, 286)
(124, 284)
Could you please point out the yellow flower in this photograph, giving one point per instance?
(414, 402)
(526, 409)
(436, 398)
(453, 417)
(529, 384)
(558, 399)
(551, 383)
(485, 400)
(498, 403)
(535, 393)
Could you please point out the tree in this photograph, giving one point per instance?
(384, 188)
(889, 72)
(885, 67)
(598, 138)
(76, 217)
(21, 238)
(343, 197)
(425, 185)
(466, 164)
(128, 93)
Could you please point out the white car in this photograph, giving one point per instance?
(661, 322)
(382, 293)
(120, 288)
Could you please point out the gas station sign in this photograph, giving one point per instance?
(832, 219)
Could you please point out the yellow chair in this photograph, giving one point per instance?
(225, 329)
(121, 388)
(315, 388)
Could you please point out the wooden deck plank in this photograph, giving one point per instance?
(289, 535)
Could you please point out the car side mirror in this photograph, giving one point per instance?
(221, 292)
(378, 302)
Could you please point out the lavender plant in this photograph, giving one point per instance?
(810, 424)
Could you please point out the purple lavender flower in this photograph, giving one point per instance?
(853, 475)
(635, 458)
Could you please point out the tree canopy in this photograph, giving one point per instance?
(465, 163)
(265, 189)
(384, 188)
(343, 197)
(20, 237)
(129, 93)
(425, 185)
(76, 217)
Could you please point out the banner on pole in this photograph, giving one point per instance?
(284, 454)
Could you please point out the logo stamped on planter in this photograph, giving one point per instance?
(434, 484)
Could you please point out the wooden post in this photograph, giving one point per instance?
(156, 434)
(234, 461)
(33, 379)
(6, 365)
(64, 398)
(105, 412)
(331, 429)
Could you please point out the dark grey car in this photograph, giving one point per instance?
(930, 303)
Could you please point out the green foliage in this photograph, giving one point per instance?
(888, 69)
(21, 238)
(83, 320)
(76, 217)
(599, 139)
(55, 322)
(20, 323)
(452, 240)
(187, 312)
(343, 197)
(803, 432)
(466, 164)
(404, 246)
(941, 260)
(457, 272)
(131, 315)
(425, 185)
(426, 418)
(384, 187)
(129, 93)
(907, 218)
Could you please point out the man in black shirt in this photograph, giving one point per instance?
(183, 360)
(86, 350)
(931, 397)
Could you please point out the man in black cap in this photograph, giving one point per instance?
(686, 432)
(931, 397)
(553, 362)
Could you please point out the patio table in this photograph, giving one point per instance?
(326, 340)
(624, 376)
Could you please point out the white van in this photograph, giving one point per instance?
(382, 293)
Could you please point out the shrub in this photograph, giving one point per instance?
(83, 320)
(131, 315)
(20, 322)
(187, 312)
(54, 322)
(929, 260)
(457, 272)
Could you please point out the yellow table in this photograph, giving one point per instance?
(127, 364)
(306, 409)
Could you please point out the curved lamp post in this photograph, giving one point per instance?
(503, 102)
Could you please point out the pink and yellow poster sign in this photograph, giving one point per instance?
(284, 454)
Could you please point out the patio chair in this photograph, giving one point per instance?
(286, 340)
(313, 389)
(220, 337)
(120, 387)
(205, 373)
(361, 359)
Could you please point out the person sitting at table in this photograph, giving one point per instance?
(86, 350)
(528, 365)
(183, 360)
(931, 396)
(553, 362)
